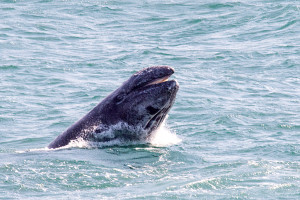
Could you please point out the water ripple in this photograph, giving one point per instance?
(236, 114)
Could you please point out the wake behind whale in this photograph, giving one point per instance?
(133, 112)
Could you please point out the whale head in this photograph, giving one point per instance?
(144, 100)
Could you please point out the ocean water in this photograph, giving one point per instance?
(233, 132)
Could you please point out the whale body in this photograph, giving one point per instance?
(135, 109)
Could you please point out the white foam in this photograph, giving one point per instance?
(163, 137)
(33, 150)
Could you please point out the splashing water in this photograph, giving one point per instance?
(162, 137)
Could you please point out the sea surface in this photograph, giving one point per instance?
(233, 132)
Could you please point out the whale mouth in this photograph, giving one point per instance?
(159, 80)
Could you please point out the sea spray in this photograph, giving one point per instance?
(163, 137)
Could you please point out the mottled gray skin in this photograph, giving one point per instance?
(135, 103)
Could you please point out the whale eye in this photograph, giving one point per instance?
(152, 110)
(120, 97)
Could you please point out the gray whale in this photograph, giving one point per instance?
(140, 105)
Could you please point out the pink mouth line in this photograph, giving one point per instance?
(159, 80)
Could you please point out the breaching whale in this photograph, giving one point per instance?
(133, 111)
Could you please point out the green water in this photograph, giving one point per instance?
(233, 132)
